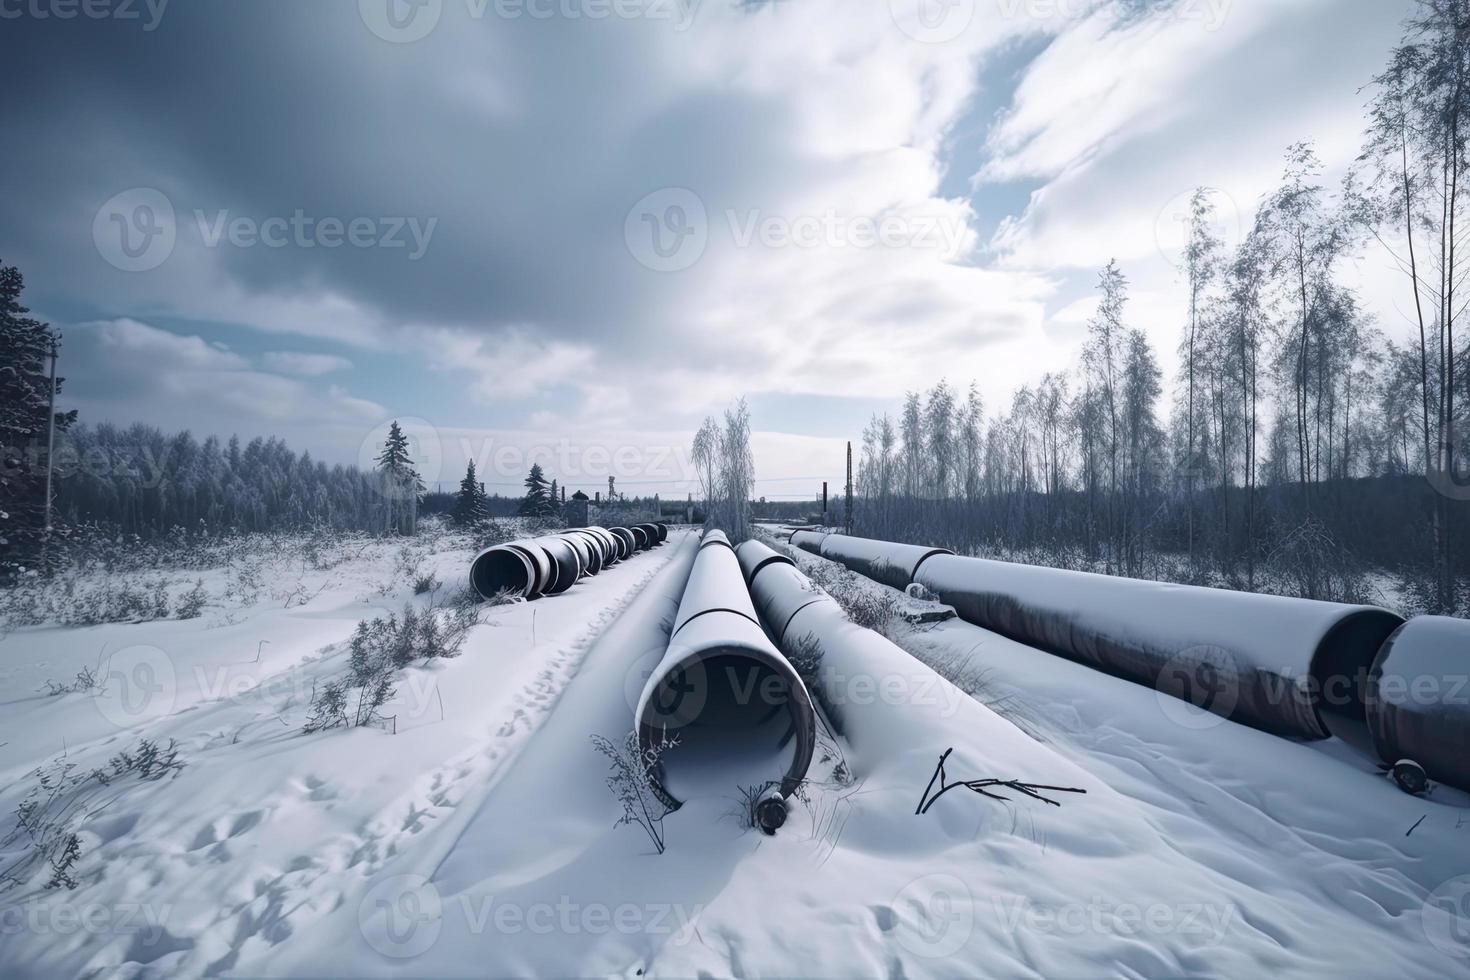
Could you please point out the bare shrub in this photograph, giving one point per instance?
(633, 783)
(191, 603)
(45, 833)
(1313, 565)
(869, 607)
(378, 650)
(806, 657)
(85, 680)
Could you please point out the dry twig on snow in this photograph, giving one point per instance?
(982, 786)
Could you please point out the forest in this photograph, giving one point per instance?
(1306, 444)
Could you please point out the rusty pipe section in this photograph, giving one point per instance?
(552, 564)
(733, 707)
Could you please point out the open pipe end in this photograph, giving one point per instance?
(503, 571)
(727, 716)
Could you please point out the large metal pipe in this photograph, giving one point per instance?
(527, 569)
(894, 713)
(568, 560)
(1291, 666)
(589, 556)
(654, 537)
(1419, 700)
(627, 542)
(883, 561)
(736, 707)
(810, 541)
(548, 565)
(609, 544)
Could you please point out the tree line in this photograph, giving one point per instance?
(1302, 440)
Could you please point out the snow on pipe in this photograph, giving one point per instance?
(883, 561)
(806, 623)
(893, 711)
(737, 708)
(1419, 701)
(808, 540)
(1295, 667)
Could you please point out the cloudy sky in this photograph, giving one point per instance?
(572, 228)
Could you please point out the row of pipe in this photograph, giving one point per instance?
(1295, 667)
(552, 564)
(724, 706)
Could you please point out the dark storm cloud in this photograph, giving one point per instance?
(527, 141)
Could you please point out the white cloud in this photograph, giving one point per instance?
(305, 365)
(129, 370)
(129, 340)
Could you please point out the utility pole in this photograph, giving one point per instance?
(50, 452)
(824, 503)
(847, 510)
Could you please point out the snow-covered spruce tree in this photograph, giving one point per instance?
(537, 501)
(401, 484)
(25, 393)
(471, 506)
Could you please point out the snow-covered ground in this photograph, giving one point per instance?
(473, 834)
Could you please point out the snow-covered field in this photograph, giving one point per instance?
(472, 833)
